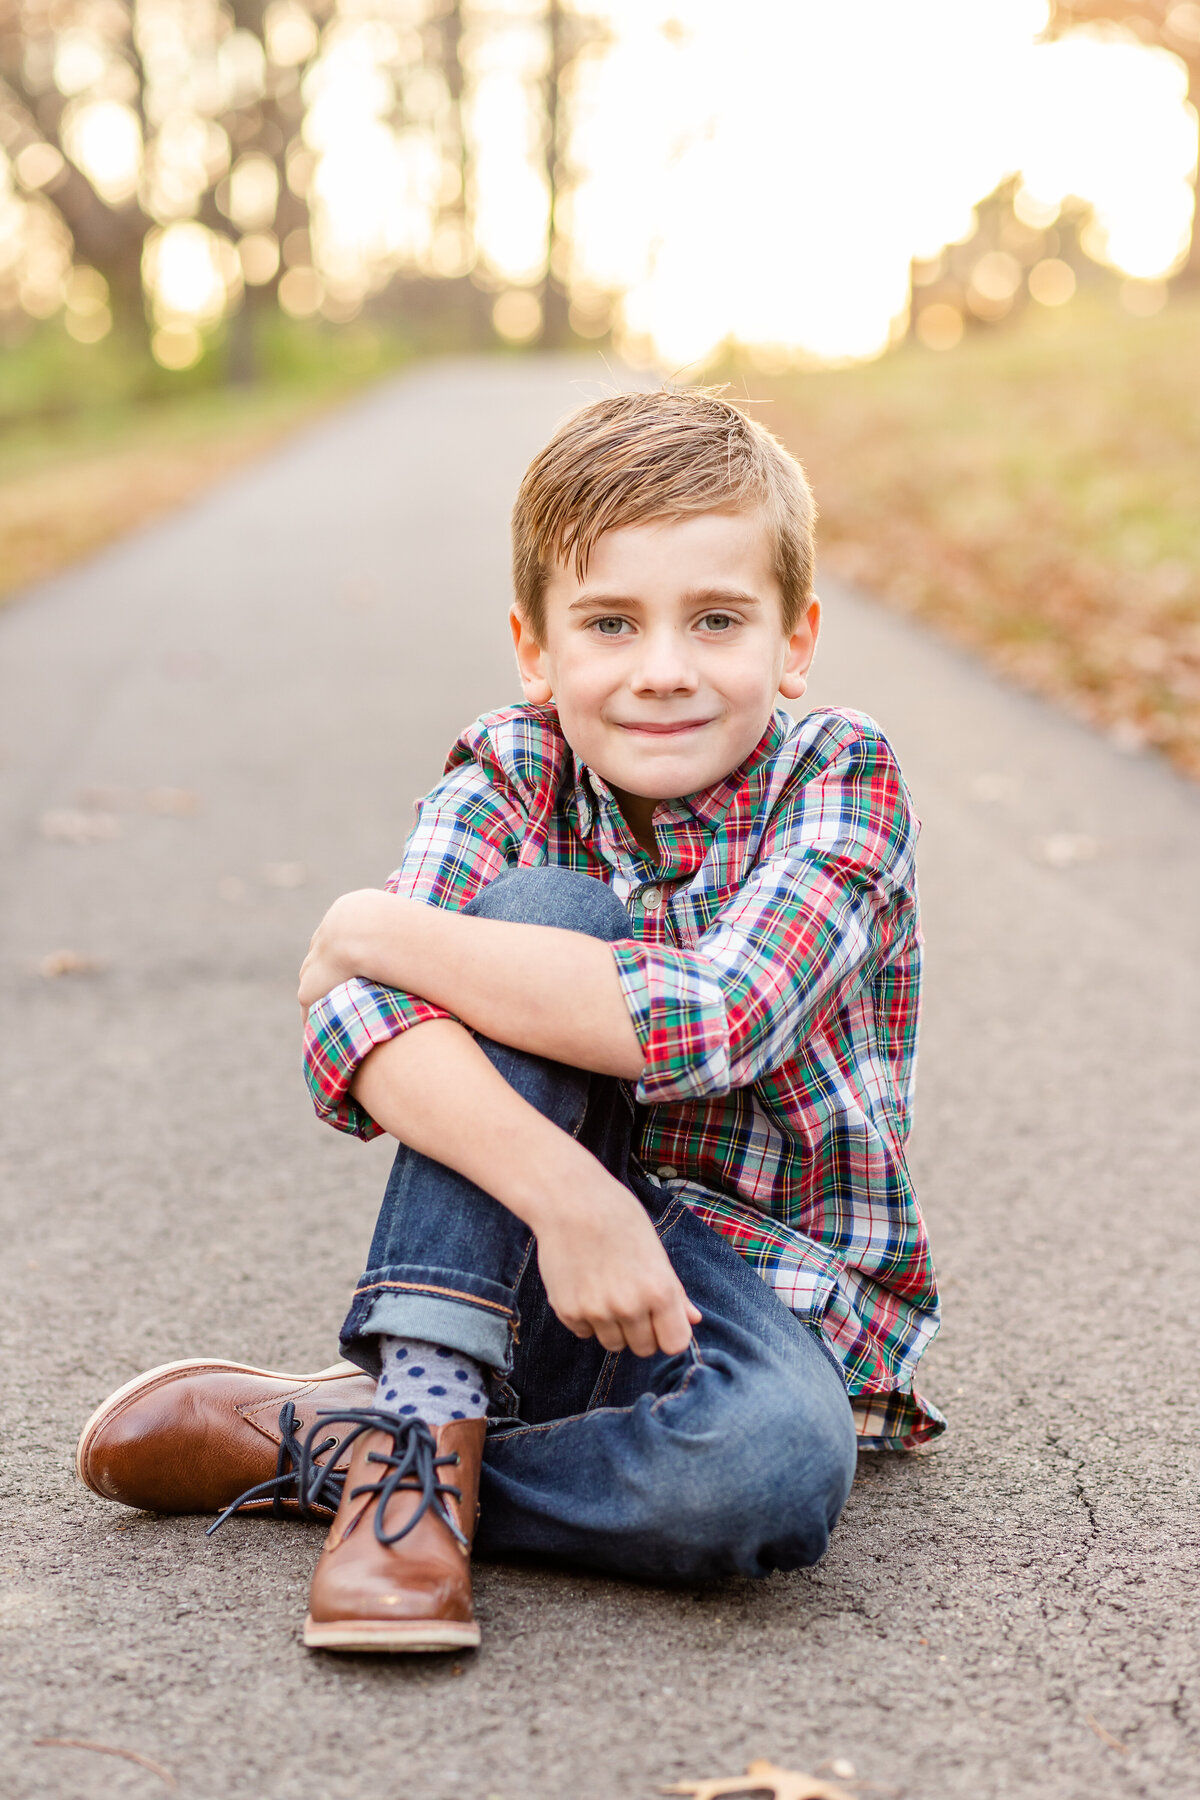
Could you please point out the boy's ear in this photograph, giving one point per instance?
(531, 660)
(801, 648)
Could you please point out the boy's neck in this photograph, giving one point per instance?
(638, 814)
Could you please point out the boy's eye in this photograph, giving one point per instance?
(609, 627)
(717, 621)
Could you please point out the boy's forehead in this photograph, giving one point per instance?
(679, 548)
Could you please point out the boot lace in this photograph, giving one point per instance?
(290, 1480)
(411, 1467)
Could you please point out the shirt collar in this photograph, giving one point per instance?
(595, 803)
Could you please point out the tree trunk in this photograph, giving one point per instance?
(556, 330)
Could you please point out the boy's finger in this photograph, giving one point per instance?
(610, 1334)
(640, 1335)
(673, 1331)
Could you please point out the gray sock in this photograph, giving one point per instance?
(427, 1381)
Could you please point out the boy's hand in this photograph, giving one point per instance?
(607, 1275)
(344, 943)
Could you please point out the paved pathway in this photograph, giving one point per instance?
(1013, 1616)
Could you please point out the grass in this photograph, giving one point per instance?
(96, 441)
(1034, 494)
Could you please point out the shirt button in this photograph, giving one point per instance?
(667, 1171)
(650, 897)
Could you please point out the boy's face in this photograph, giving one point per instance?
(665, 661)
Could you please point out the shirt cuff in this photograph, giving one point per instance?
(678, 1011)
(342, 1030)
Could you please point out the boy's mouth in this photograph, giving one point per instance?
(676, 727)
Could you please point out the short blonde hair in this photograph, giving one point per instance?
(634, 458)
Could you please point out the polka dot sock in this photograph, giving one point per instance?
(429, 1382)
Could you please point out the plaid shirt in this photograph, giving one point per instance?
(772, 977)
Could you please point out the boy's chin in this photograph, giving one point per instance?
(665, 784)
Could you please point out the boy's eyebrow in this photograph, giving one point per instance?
(694, 597)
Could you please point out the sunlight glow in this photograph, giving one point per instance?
(104, 139)
(191, 273)
(779, 199)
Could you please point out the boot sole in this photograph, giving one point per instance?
(190, 1366)
(391, 1634)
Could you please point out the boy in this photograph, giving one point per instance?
(640, 1007)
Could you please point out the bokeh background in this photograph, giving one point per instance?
(946, 246)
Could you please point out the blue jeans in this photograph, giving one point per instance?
(735, 1457)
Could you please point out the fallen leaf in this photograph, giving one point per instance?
(1063, 849)
(134, 1756)
(68, 962)
(762, 1777)
(106, 799)
(176, 802)
(63, 825)
(1106, 1737)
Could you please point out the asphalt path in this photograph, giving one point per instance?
(217, 725)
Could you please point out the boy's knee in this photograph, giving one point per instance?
(774, 1486)
(561, 897)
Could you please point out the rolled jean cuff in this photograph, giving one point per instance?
(401, 1304)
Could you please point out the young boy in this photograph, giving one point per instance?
(640, 1007)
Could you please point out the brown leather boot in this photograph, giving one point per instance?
(395, 1573)
(204, 1436)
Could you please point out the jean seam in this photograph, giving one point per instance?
(551, 1424)
(604, 1380)
(425, 1287)
(578, 1418)
(685, 1384)
(515, 1315)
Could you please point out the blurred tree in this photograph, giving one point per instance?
(569, 34)
(108, 236)
(264, 133)
(1170, 24)
(130, 119)
(1018, 250)
(207, 160)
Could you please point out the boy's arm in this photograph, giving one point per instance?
(605, 1272)
(552, 992)
(466, 833)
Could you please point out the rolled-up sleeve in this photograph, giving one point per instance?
(466, 833)
(342, 1030)
(830, 894)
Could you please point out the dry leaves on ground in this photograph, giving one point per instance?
(68, 962)
(1032, 495)
(133, 1756)
(65, 825)
(762, 1777)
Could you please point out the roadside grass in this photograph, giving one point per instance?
(95, 441)
(1035, 494)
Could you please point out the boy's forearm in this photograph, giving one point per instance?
(551, 992)
(605, 1271)
(435, 1090)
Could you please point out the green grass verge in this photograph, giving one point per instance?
(95, 440)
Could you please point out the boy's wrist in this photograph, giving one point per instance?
(542, 1189)
(376, 939)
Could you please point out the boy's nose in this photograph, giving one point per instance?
(664, 666)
